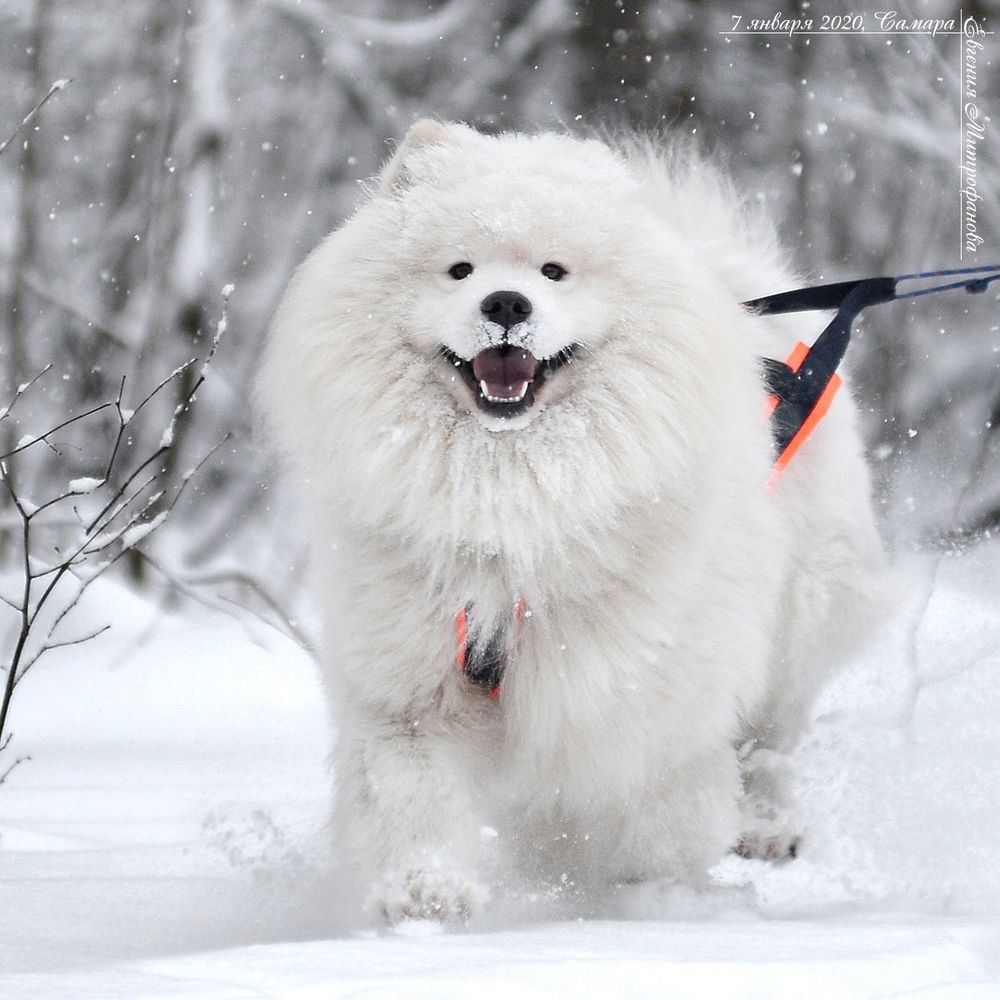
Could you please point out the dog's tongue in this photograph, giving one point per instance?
(505, 371)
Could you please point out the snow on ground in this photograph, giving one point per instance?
(166, 838)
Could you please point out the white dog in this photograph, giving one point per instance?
(527, 411)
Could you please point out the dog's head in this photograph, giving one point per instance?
(515, 252)
(563, 289)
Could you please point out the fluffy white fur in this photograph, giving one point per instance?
(677, 608)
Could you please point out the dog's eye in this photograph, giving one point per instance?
(460, 270)
(553, 271)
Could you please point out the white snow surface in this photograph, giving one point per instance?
(167, 840)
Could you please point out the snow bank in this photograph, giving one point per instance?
(167, 837)
(898, 779)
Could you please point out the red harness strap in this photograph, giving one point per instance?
(461, 638)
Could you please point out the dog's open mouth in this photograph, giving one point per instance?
(505, 380)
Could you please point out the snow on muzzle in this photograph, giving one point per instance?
(504, 373)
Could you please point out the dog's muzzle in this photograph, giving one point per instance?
(505, 380)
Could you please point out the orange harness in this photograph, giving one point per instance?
(818, 412)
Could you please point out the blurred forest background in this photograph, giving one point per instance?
(209, 142)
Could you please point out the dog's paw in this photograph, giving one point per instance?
(427, 894)
(768, 847)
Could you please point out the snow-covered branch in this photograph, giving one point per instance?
(27, 119)
(114, 512)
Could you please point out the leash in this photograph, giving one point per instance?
(800, 391)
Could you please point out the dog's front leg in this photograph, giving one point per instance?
(682, 823)
(404, 802)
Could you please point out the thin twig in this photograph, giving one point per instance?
(103, 327)
(193, 589)
(270, 601)
(23, 610)
(123, 420)
(177, 371)
(21, 390)
(26, 120)
(49, 646)
(6, 774)
(45, 437)
(196, 468)
(92, 525)
(99, 537)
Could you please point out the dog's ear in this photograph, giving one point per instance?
(426, 132)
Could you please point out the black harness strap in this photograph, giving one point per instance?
(484, 666)
(483, 663)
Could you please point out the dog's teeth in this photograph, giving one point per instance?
(502, 399)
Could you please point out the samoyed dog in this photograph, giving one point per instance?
(526, 411)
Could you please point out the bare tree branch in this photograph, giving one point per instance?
(193, 587)
(32, 440)
(6, 774)
(104, 327)
(26, 120)
(49, 646)
(127, 514)
(20, 391)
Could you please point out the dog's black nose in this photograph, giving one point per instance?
(506, 308)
